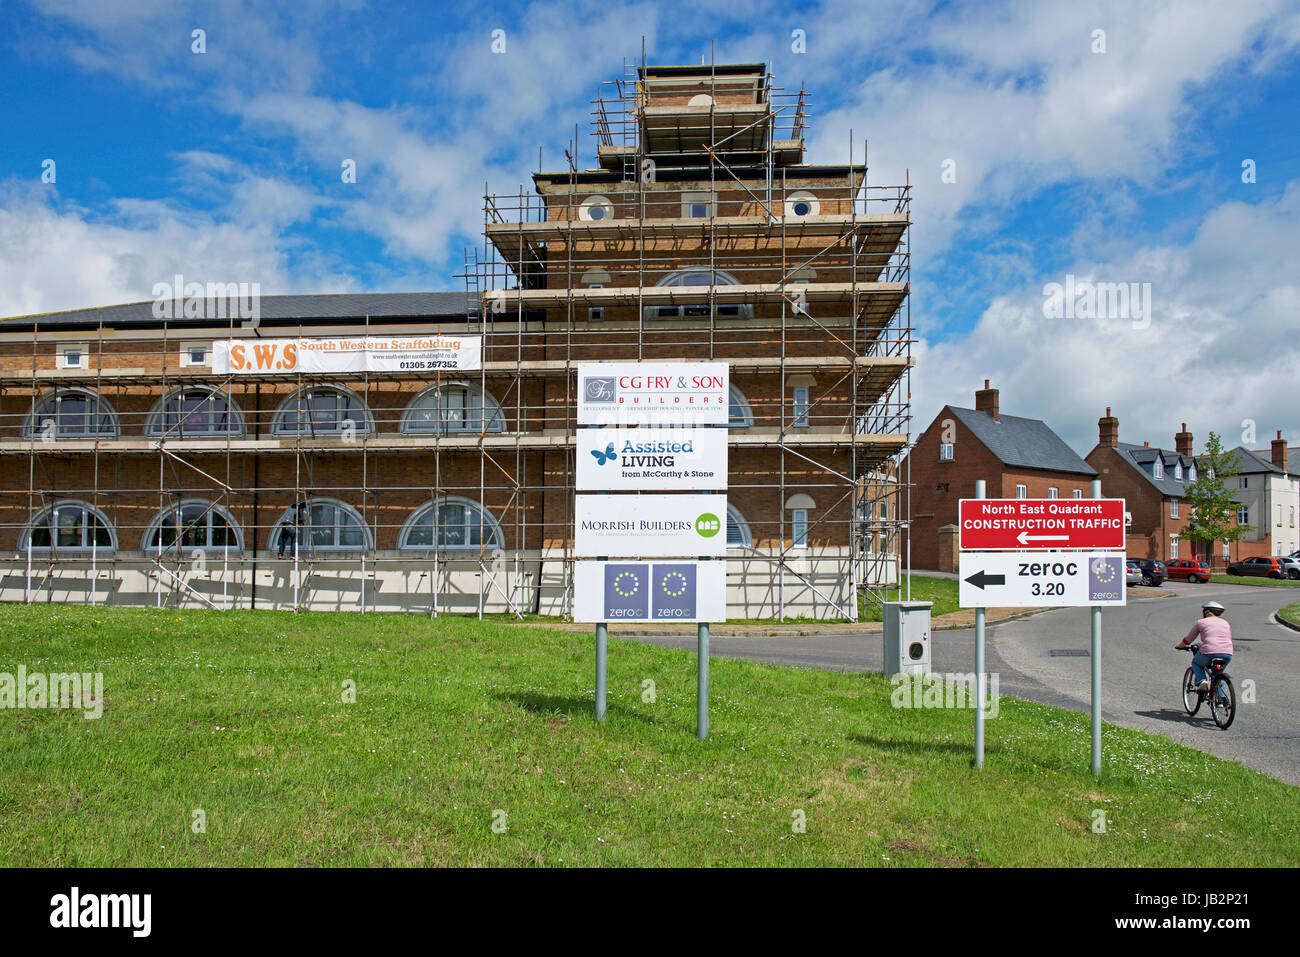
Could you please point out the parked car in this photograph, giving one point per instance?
(1188, 569)
(1132, 574)
(1258, 567)
(1153, 572)
(1291, 566)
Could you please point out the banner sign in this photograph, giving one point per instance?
(1048, 523)
(417, 353)
(650, 525)
(641, 393)
(649, 591)
(1040, 580)
(651, 459)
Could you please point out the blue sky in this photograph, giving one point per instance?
(1114, 166)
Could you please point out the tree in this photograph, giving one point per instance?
(1211, 505)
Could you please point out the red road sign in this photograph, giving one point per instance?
(1041, 523)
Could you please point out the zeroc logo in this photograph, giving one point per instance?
(708, 525)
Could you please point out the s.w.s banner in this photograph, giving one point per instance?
(416, 353)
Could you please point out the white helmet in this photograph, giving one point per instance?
(1213, 606)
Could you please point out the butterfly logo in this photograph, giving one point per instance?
(603, 457)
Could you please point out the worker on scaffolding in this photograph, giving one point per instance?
(289, 530)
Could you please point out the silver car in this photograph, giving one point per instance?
(1132, 573)
(1290, 566)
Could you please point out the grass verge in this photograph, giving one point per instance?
(457, 724)
(1291, 613)
(1245, 580)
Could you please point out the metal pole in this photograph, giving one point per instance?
(979, 666)
(602, 641)
(702, 682)
(1096, 669)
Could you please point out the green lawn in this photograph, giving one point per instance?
(1291, 613)
(941, 591)
(241, 715)
(1249, 580)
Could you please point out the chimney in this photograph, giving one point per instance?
(1146, 445)
(1183, 442)
(1279, 451)
(1108, 430)
(986, 400)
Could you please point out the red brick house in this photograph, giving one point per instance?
(1153, 483)
(1016, 457)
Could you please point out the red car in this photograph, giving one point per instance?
(1188, 570)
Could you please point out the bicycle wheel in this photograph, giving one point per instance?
(1223, 702)
(1191, 697)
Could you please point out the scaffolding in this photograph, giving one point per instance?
(701, 235)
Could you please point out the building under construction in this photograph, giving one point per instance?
(137, 469)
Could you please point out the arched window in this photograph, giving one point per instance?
(69, 525)
(71, 414)
(201, 524)
(454, 408)
(461, 523)
(195, 411)
(327, 525)
(701, 99)
(738, 535)
(699, 276)
(739, 414)
(322, 410)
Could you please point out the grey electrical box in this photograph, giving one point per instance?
(907, 638)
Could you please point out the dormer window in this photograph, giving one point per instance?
(1191, 472)
(1178, 471)
(1158, 469)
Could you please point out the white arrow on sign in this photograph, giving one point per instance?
(1024, 538)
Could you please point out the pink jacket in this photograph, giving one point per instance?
(1215, 635)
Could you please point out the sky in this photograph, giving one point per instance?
(1048, 145)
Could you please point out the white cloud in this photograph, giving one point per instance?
(1222, 345)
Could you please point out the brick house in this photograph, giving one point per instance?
(1017, 458)
(1153, 483)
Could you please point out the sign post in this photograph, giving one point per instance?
(652, 583)
(702, 681)
(979, 662)
(1096, 659)
(1048, 553)
(602, 643)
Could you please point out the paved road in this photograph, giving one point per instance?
(1140, 669)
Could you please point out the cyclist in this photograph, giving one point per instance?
(1215, 638)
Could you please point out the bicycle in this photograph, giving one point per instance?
(1222, 696)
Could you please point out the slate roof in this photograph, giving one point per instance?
(1023, 443)
(275, 310)
(1252, 462)
(1141, 458)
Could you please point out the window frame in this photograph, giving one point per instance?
(490, 411)
(305, 537)
(742, 525)
(412, 523)
(153, 425)
(210, 507)
(288, 407)
(25, 537)
(800, 408)
(798, 537)
(30, 431)
(744, 310)
(747, 412)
